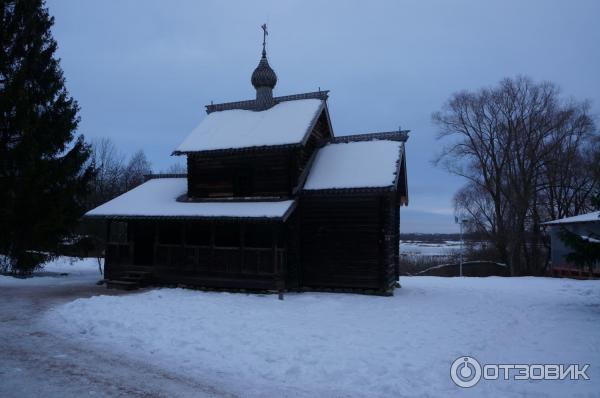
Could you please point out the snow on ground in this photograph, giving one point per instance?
(418, 248)
(62, 270)
(319, 344)
(37, 361)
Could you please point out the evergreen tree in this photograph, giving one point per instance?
(44, 169)
(585, 249)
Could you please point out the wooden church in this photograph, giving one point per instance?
(272, 200)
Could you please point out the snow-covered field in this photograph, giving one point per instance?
(420, 248)
(308, 345)
(338, 345)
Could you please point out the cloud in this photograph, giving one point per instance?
(142, 71)
(426, 222)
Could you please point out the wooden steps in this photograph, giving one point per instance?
(121, 285)
(130, 280)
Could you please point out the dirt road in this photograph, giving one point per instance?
(38, 363)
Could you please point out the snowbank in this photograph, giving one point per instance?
(350, 345)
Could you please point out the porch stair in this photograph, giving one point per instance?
(130, 280)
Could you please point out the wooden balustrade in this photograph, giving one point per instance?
(227, 260)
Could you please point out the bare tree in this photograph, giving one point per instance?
(137, 167)
(510, 143)
(110, 165)
(473, 203)
(176, 168)
(115, 175)
(570, 179)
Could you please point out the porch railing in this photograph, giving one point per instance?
(204, 259)
(228, 260)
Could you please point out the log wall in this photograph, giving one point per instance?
(348, 242)
(259, 172)
(243, 174)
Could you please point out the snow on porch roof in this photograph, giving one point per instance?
(589, 217)
(365, 164)
(286, 123)
(157, 198)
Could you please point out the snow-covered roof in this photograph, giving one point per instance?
(286, 123)
(589, 217)
(158, 198)
(366, 164)
(590, 239)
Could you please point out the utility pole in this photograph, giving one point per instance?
(460, 223)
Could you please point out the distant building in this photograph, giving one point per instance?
(272, 200)
(586, 226)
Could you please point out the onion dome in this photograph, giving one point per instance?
(264, 75)
(264, 79)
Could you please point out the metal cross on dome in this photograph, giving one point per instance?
(265, 34)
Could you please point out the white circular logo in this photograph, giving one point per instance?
(465, 372)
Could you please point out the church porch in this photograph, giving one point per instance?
(205, 253)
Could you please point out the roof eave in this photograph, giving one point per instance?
(329, 124)
(313, 123)
(400, 166)
(399, 135)
(251, 104)
(558, 222)
(237, 150)
(282, 218)
(304, 175)
(349, 191)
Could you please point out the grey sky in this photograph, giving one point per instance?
(142, 71)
